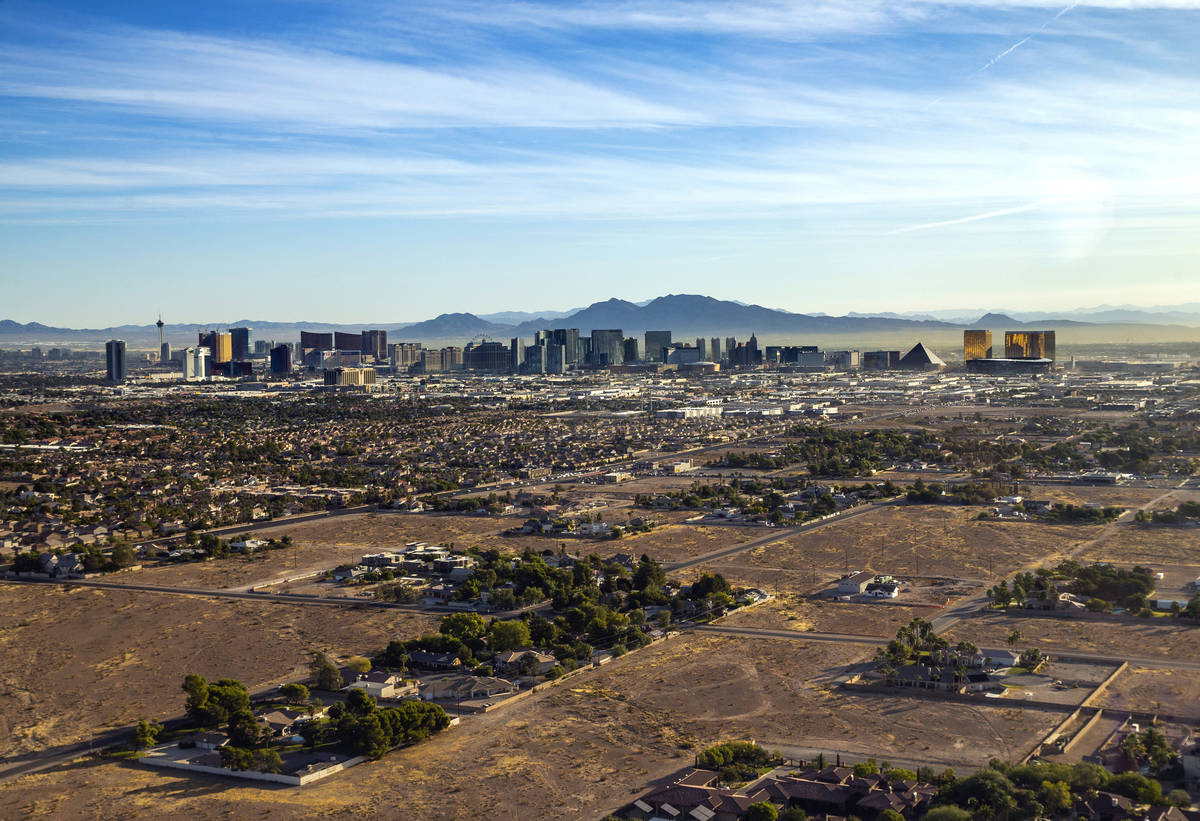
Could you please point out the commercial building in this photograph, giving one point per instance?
(310, 341)
(197, 365)
(452, 358)
(657, 344)
(516, 353)
(535, 359)
(114, 355)
(714, 349)
(220, 346)
(630, 349)
(977, 345)
(164, 352)
(880, 360)
(702, 348)
(239, 344)
(347, 342)
(403, 355)
(569, 339)
(350, 377)
(281, 360)
(489, 357)
(374, 343)
(608, 347)
(1029, 345)
(920, 358)
(556, 359)
(1009, 367)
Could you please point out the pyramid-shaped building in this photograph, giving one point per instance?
(921, 358)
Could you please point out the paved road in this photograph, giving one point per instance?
(776, 534)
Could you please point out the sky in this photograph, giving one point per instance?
(391, 161)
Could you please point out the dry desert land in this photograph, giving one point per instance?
(1133, 638)
(583, 748)
(76, 659)
(1171, 692)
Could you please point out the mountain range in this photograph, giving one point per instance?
(684, 314)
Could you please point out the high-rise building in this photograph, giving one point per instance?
(607, 347)
(347, 342)
(700, 346)
(197, 366)
(349, 377)
(630, 349)
(516, 354)
(1029, 345)
(159, 324)
(313, 341)
(556, 358)
(114, 355)
(164, 352)
(281, 360)
(239, 339)
(374, 343)
(431, 361)
(714, 349)
(569, 339)
(223, 350)
(880, 360)
(403, 355)
(977, 345)
(657, 343)
(452, 358)
(489, 357)
(535, 359)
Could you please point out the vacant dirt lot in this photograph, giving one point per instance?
(78, 659)
(582, 749)
(1135, 638)
(793, 612)
(1148, 545)
(922, 540)
(1173, 692)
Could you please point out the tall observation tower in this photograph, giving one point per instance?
(164, 349)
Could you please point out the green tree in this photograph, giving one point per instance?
(358, 664)
(464, 626)
(793, 814)
(359, 702)
(244, 730)
(508, 635)
(146, 733)
(294, 693)
(762, 811)
(325, 674)
(889, 815)
(1055, 796)
(947, 814)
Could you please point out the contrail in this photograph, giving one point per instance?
(1020, 209)
(1023, 40)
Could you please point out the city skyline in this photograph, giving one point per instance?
(294, 157)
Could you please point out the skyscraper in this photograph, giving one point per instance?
(281, 360)
(114, 355)
(240, 344)
(556, 358)
(569, 339)
(700, 347)
(714, 349)
(631, 349)
(656, 344)
(607, 347)
(164, 350)
(516, 354)
(1029, 345)
(374, 343)
(977, 345)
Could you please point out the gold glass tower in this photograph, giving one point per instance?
(977, 345)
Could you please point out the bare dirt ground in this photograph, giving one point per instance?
(922, 540)
(1172, 692)
(579, 750)
(1099, 494)
(793, 612)
(1150, 545)
(1144, 638)
(78, 659)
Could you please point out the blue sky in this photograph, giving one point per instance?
(390, 161)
